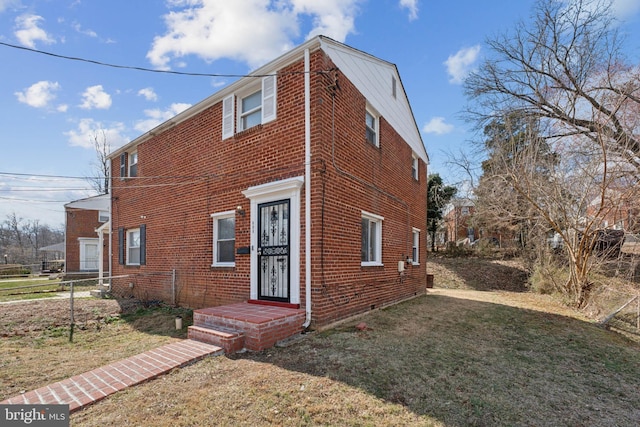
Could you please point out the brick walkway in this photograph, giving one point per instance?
(95, 385)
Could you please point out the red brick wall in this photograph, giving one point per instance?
(193, 173)
(81, 223)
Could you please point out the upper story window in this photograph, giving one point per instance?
(128, 164)
(133, 164)
(224, 239)
(464, 210)
(371, 249)
(251, 111)
(371, 122)
(414, 166)
(103, 216)
(255, 106)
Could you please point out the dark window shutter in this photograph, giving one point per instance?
(121, 247)
(143, 244)
(123, 166)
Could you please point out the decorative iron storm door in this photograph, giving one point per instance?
(273, 251)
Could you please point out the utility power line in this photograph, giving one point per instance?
(148, 70)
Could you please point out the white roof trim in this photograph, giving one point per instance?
(96, 203)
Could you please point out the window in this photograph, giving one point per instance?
(256, 105)
(224, 239)
(133, 251)
(133, 247)
(415, 249)
(103, 216)
(414, 166)
(464, 210)
(371, 249)
(371, 123)
(251, 110)
(393, 87)
(133, 164)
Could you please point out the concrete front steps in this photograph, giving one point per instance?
(251, 325)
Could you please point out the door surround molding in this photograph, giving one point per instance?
(270, 192)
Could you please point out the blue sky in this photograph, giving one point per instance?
(51, 108)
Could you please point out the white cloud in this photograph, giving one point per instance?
(624, 9)
(438, 126)
(412, 5)
(461, 64)
(86, 129)
(148, 93)
(79, 29)
(28, 31)
(5, 4)
(38, 95)
(251, 31)
(157, 116)
(332, 18)
(95, 97)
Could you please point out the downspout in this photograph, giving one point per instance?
(110, 257)
(307, 188)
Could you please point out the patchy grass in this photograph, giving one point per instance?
(33, 288)
(36, 351)
(455, 357)
(450, 358)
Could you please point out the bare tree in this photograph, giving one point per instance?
(578, 157)
(99, 178)
(22, 239)
(570, 187)
(566, 67)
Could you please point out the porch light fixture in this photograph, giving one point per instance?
(240, 210)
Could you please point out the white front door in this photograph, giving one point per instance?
(89, 254)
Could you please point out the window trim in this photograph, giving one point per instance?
(376, 126)
(216, 217)
(377, 262)
(415, 247)
(128, 239)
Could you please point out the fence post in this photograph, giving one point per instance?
(71, 314)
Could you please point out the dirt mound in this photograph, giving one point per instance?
(482, 274)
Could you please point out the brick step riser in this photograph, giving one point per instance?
(230, 344)
(213, 322)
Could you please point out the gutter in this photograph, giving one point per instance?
(307, 188)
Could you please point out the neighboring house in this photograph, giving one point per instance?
(52, 258)
(86, 250)
(620, 211)
(457, 220)
(302, 185)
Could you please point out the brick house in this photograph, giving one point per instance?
(302, 186)
(457, 220)
(86, 249)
